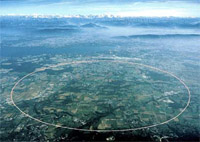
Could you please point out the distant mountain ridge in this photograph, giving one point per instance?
(100, 21)
(159, 36)
(92, 25)
(86, 16)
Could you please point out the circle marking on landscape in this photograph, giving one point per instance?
(101, 130)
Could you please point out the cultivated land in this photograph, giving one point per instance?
(103, 95)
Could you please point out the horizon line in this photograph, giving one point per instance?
(87, 16)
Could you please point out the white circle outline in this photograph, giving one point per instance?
(92, 61)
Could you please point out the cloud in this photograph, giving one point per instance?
(178, 8)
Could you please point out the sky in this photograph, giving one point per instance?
(122, 8)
